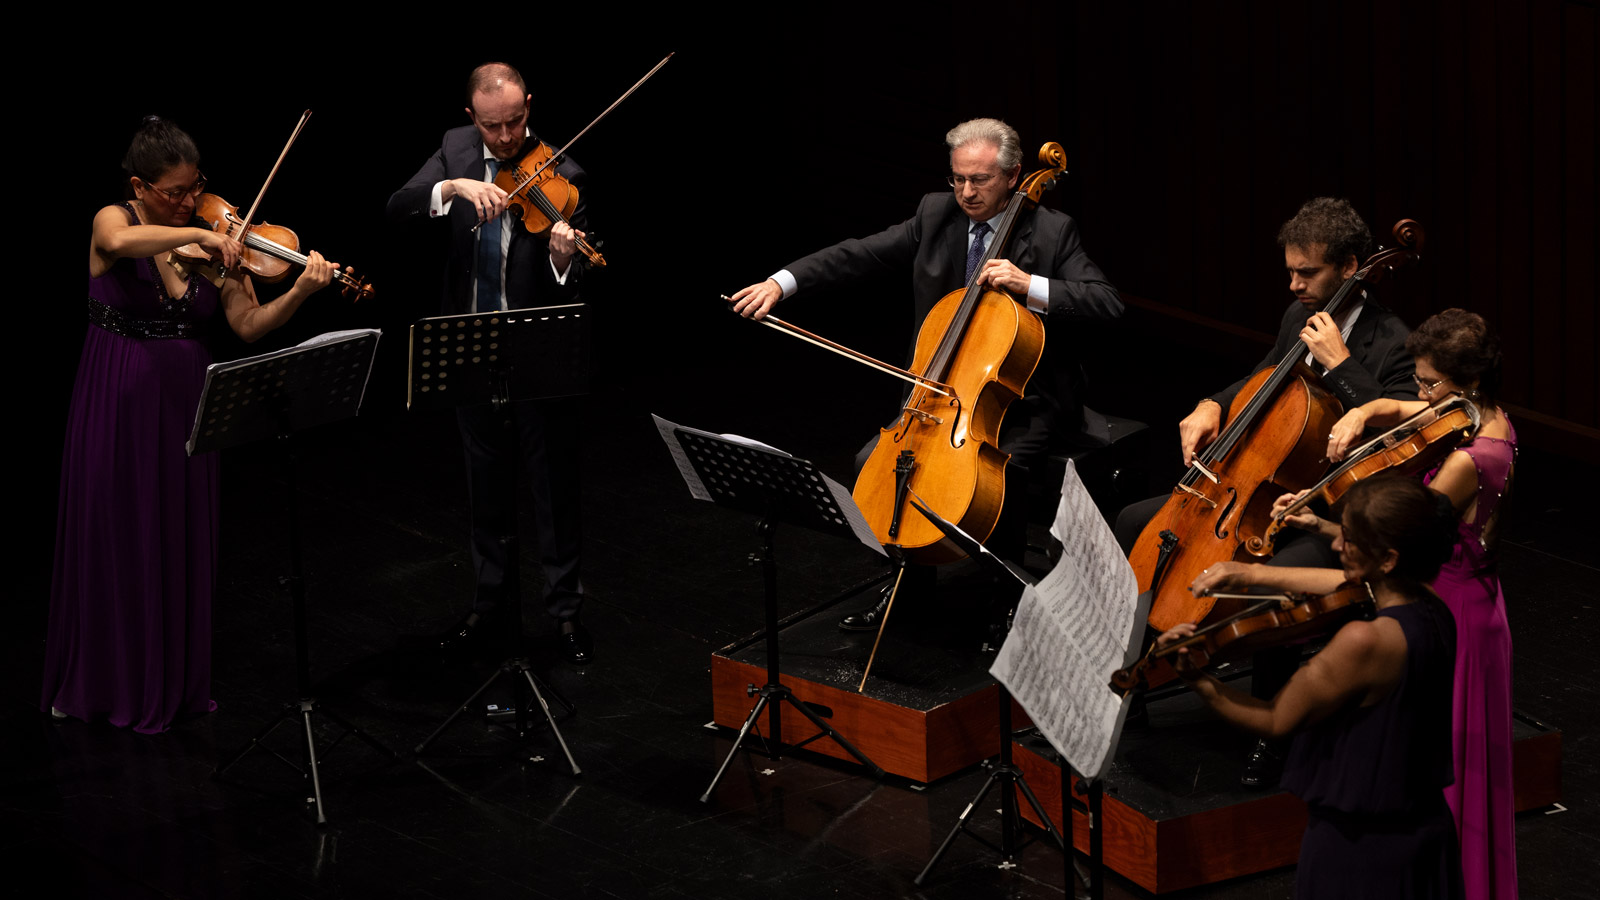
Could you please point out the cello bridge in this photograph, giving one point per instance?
(925, 417)
(1189, 490)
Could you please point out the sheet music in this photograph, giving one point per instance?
(1072, 630)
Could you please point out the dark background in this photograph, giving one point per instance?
(1192, 132)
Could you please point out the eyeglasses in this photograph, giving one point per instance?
(1425, 387)
(176, 194)
(977, 181)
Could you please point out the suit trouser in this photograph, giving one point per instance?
(544, 437)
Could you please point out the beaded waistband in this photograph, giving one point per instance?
(117, 322)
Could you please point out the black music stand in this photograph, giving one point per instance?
(275, 395)
(500, 358)
(1007, 775)
(769, 483)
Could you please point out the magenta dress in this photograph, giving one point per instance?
(129, 637)
(1482, 798)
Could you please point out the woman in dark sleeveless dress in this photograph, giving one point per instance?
(1371, 711)
(129, 636)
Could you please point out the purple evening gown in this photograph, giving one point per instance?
(130, 602)
(1482, 798)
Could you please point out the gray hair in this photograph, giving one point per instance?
(989, 131)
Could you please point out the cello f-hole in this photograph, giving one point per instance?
(1222, 518)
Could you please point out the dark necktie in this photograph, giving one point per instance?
(489, 257)
(975, 253)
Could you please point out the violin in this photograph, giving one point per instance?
(269, 249)
(1269, 621)
(1274, 444)
(541, 196)
(1413, 446)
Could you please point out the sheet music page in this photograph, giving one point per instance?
(697, 488)
(1071, 632)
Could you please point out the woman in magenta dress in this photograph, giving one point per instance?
(1456, 353)
(1371, 711)
(129, 636)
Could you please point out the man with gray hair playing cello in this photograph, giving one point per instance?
(942, 246)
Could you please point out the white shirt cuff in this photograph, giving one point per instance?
(561, 277)
(436, 205)
(1039, 294)
(786, 281)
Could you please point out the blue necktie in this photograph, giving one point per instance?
(975, 252)
(489, 258)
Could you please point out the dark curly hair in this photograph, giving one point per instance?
(1392, 512)
(1460, 345)
(1326, 220)
(158, 147)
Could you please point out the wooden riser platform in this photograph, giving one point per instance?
(1176, 819)
(928, 709)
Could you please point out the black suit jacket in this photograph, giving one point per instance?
(529, 279)
(1379, 364)
(933, 245)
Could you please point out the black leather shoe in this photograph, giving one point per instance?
(1263, 767)
(868, 619)
(575, 643)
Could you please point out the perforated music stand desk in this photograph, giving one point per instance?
(517, 354)
(275, 395)
(777, 487)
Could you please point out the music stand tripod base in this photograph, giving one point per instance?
(777, 487)
(501, 358)
(277, 394)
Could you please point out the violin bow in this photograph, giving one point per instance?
(250, 216)
(568, 145)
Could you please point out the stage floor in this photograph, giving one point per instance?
(100, 812)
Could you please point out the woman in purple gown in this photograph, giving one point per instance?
(1456, 353)
(129, 636)
(1371, 711)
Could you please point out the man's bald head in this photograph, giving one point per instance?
(490, 77)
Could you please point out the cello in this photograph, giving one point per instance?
(975, 351)
(1273, 444)
(974, 354)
